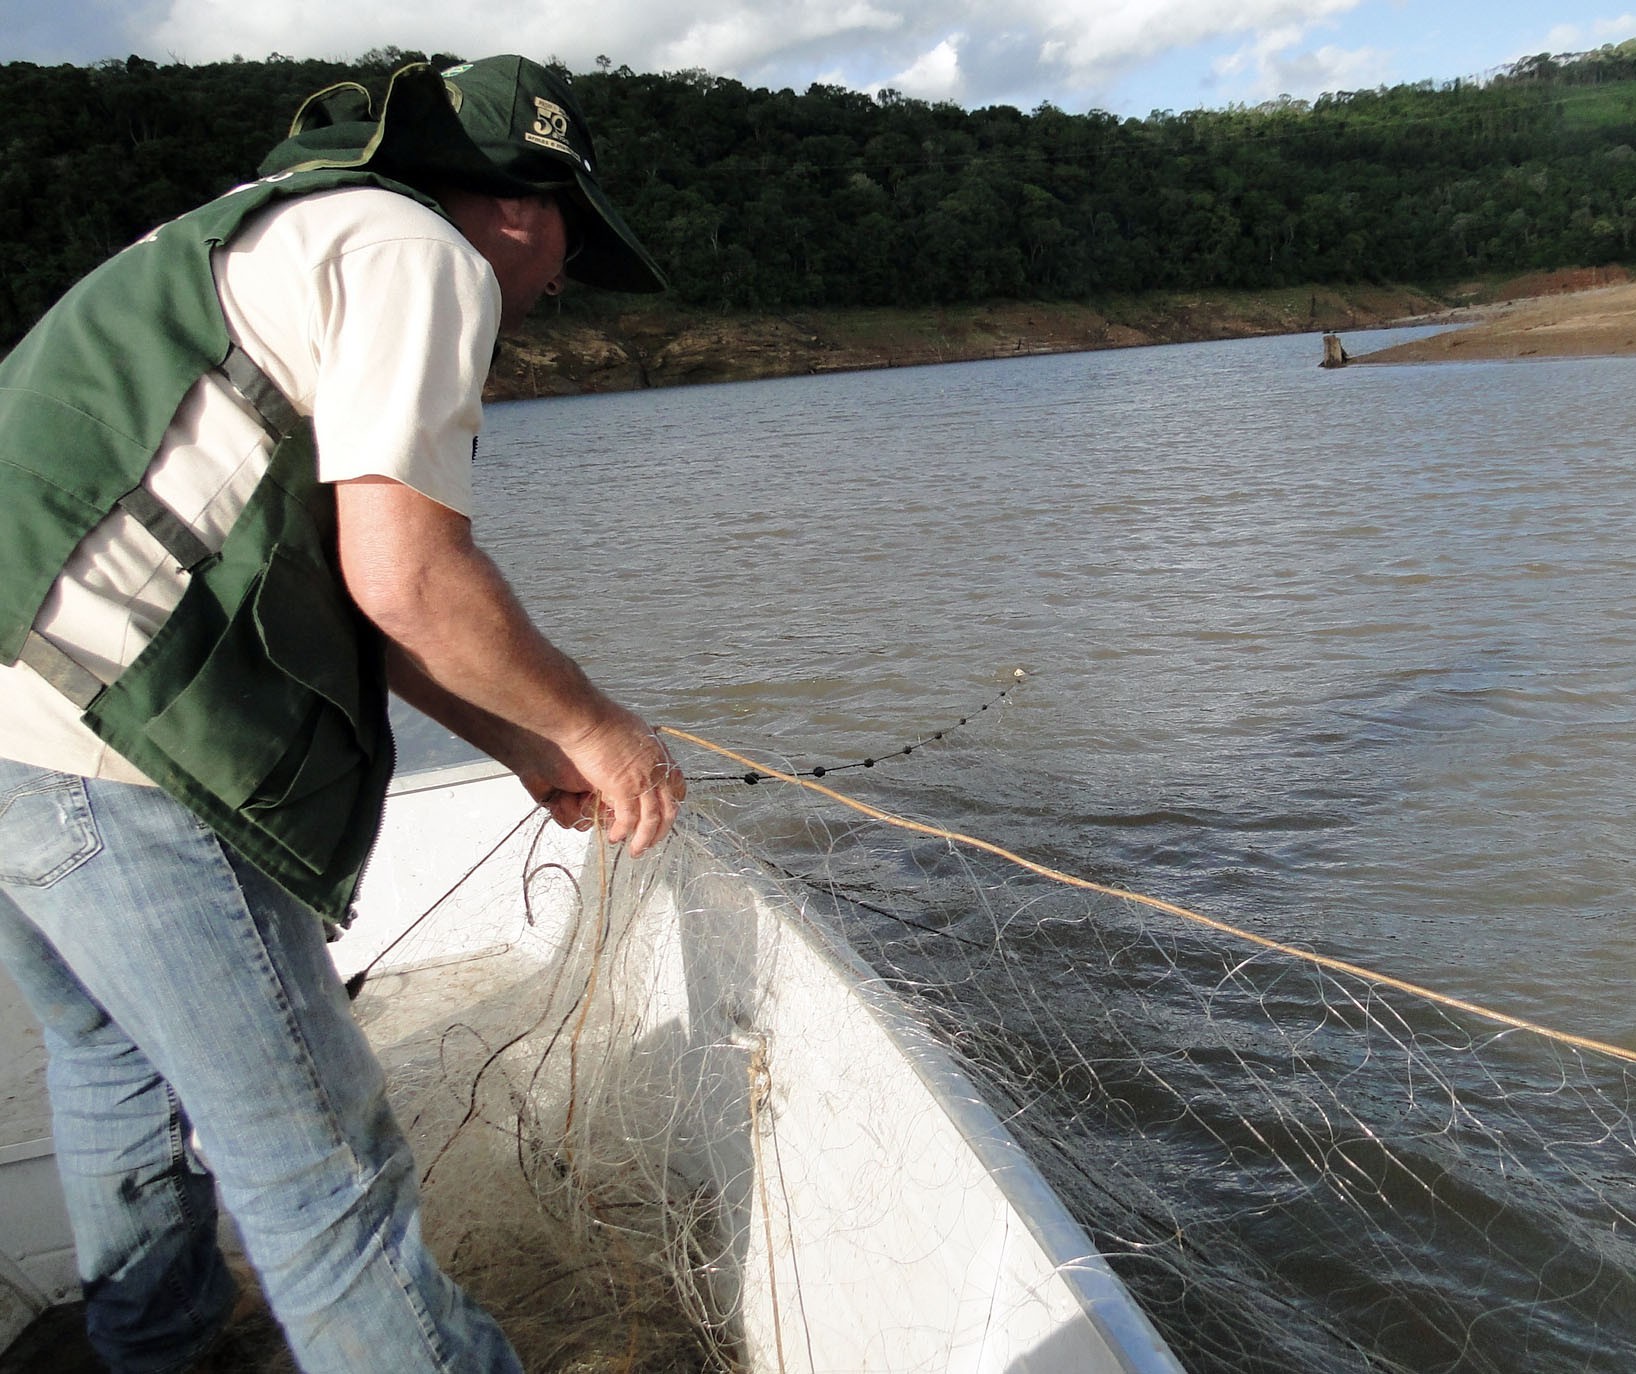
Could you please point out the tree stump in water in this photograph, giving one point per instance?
(1334, 354)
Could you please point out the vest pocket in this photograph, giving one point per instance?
(270, 724)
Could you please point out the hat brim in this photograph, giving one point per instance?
(612, 258)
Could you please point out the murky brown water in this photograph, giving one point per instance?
(1347, 658)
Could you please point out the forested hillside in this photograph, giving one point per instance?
(772, 200)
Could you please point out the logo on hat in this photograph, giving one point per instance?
(550, 127)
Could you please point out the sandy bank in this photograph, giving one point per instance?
(1598, 322)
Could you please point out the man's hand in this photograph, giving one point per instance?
(617, 771)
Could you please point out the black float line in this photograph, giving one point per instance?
(751, 778)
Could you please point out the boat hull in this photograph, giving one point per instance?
(867, 1210)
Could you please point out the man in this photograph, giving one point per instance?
(234, 508)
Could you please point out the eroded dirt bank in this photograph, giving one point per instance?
(574, 352)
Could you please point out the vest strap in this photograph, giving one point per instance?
(75, 681)
(278, 417)
(166, 526)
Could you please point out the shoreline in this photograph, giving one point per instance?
(593, 346)
(574, 354)
(603, 344)
(1570, 313)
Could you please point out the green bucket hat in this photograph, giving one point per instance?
(504, 126)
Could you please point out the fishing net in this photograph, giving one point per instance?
(1291, 1167)
(518, 1026)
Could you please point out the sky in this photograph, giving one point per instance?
(1128, 57)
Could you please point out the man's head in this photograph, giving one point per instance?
(529, 241)
(503, 127)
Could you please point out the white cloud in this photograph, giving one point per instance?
(1090, 42)
(1583, 37)
(724, 39)
(1077, 53)
(1275, 64)
(1256, 56)
(744, 36)
(934, 75)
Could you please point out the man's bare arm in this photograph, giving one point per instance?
(464, 650)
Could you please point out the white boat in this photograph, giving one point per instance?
(851, 1203)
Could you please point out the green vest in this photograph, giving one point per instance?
(261, 703)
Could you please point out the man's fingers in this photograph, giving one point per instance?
(653, 822)
(664, 799)
(642, 819)
(570, 810)
(653, 811)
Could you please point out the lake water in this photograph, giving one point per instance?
(1344, 658)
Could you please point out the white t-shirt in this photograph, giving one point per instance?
(375, 317)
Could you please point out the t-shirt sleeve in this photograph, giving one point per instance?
(404, 333)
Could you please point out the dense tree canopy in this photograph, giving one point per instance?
(760, 199)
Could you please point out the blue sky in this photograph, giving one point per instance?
(1127, 56)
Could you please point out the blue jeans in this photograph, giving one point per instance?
(180, 989)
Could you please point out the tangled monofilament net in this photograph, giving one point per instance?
(1292, 1168)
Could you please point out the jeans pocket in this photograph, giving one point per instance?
(46, 827)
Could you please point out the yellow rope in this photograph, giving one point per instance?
(1056, 875)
